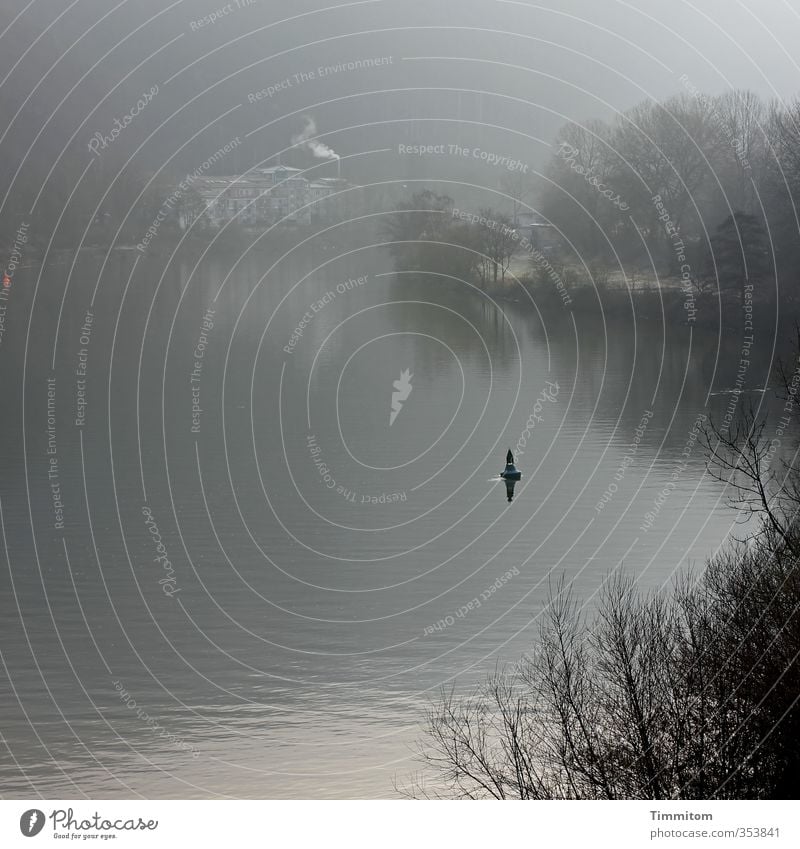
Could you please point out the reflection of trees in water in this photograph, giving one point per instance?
(622, 367)
(614, 362)
(487, 315)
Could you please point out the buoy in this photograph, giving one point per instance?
(511, 472)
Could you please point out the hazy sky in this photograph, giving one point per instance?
(494, 72)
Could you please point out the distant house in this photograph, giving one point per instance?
(288, 193)
(537, 230)
(268, 195)
(330, 199)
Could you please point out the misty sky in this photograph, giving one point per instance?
(500, 73)
(306, 636)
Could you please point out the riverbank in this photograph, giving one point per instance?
(558, 290)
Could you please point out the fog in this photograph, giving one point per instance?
(526, 68)
(334, 337)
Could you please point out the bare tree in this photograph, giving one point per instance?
(742, 116)
(667, 150)
(496, 241)
(688, 694)
(521, 188)
(583, 164)
(741, 457)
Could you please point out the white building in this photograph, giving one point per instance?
(265, 196)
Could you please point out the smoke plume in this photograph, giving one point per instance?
(305, 139)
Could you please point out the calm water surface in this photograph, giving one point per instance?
(317, 552)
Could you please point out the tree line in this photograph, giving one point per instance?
(697, 188)
(427, 233)
(699, 185)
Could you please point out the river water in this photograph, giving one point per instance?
(229, 570)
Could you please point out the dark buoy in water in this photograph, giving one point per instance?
(511, 474)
